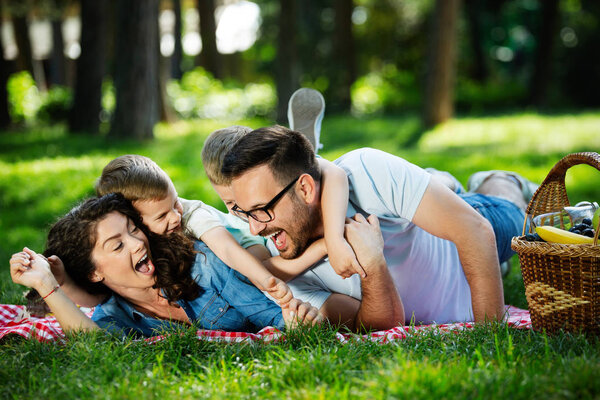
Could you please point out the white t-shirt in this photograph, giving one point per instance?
(425, 268)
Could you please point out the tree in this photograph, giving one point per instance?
(473, 10)
(19, 11)
(286, 75)
(178, 48)
(136, 74)
(91, 67)
(57, 73)
(439, 89)
(209, 57)
(542, 69)
(4, 72)
(344, 53)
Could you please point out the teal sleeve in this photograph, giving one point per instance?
(241, 232)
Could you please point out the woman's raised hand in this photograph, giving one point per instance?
(31, 269)
(301, 313)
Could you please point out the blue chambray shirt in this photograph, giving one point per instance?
(227, 301)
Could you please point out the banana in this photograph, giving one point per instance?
(554, 235)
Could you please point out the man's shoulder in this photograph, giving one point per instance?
(366, 157)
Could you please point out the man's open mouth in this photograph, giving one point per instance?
(145, 266)
(279, 238)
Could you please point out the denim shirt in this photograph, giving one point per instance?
(227, 301)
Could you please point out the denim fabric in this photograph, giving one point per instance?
(505, 217)
(227, 301)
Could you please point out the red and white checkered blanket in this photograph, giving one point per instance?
(15, 320)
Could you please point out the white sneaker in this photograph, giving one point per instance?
(305, 114)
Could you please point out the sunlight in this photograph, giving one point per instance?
(237, 26)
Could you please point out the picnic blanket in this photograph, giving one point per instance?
(15, 320)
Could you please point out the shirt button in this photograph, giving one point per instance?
(220, 309)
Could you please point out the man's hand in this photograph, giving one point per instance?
(279, 291)
(342, 258)
(300, 313)
(364, 235)
(381, 306)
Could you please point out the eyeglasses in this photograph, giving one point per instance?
(262, 214)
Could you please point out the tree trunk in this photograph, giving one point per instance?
(4, 73)
(176, 72)
(24, 59)
(286, 76)
(136, 70)
(542, 71)
(90, 69)
(344, 53)
(57, 57)
(209, 56)
(439, 90)
(473, 10)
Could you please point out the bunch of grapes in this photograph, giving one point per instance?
(533, 237)
(585, 228)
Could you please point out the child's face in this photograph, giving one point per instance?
(161, 216)
(226, 194)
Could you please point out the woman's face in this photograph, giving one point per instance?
(121, 255)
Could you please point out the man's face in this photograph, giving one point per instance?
(295, 223)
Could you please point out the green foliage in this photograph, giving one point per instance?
(23, 97)
(55, 105)
(475, 97)
(199, 95)
(388, 89)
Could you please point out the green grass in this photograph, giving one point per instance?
(44, 172)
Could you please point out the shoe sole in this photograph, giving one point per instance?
(305, 113)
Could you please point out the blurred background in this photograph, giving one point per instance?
(118, 67)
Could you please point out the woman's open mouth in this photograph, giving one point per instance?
(145, 266)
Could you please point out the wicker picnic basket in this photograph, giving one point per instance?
(562, 281)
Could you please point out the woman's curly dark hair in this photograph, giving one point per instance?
(73, 238)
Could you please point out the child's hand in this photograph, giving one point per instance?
(58, 270)
(279, 291)
(343, 260)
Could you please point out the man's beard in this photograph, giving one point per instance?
(306, 223)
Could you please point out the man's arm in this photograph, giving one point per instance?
(442, 213)
(381, 307)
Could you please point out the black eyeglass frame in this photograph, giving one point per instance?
(245, 215)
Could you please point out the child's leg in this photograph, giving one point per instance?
(305, 113)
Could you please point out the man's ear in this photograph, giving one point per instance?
(308, 189)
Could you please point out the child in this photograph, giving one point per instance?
(334, 204)
(153, 194)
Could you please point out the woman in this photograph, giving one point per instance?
(151, 281)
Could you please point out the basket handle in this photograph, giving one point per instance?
(552, 196)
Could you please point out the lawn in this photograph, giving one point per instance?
(44, 172)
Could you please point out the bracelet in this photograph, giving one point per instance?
(52, 291)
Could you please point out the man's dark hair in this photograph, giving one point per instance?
(287, 153)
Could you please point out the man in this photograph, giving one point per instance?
(441, 248)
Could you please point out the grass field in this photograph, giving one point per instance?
(44, 172)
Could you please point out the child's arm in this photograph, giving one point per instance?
(334, 205)
(288, 269)
(222, 243)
